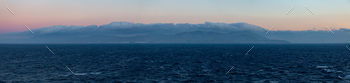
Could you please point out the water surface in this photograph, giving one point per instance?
(174, 62)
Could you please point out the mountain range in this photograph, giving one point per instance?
(183, 37)
(127, 32)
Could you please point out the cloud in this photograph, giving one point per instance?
(344, 29)
(128, 28)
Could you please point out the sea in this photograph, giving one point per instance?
(168, 63)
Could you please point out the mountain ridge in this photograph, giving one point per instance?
(163, 32)
(184, 37)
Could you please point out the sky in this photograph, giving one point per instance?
(264, 13)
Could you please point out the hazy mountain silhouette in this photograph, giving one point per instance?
(127, 32)
(183, 37)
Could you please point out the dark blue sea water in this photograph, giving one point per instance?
(174, 63)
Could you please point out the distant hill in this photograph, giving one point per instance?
(184, 37)
(127, 32)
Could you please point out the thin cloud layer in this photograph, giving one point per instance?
(128, 28)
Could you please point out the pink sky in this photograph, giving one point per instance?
(45, 13)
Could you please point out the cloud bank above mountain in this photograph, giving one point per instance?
(124, 28)
(127, 29)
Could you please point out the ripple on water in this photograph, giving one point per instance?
(80, 73)
(95, 73)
